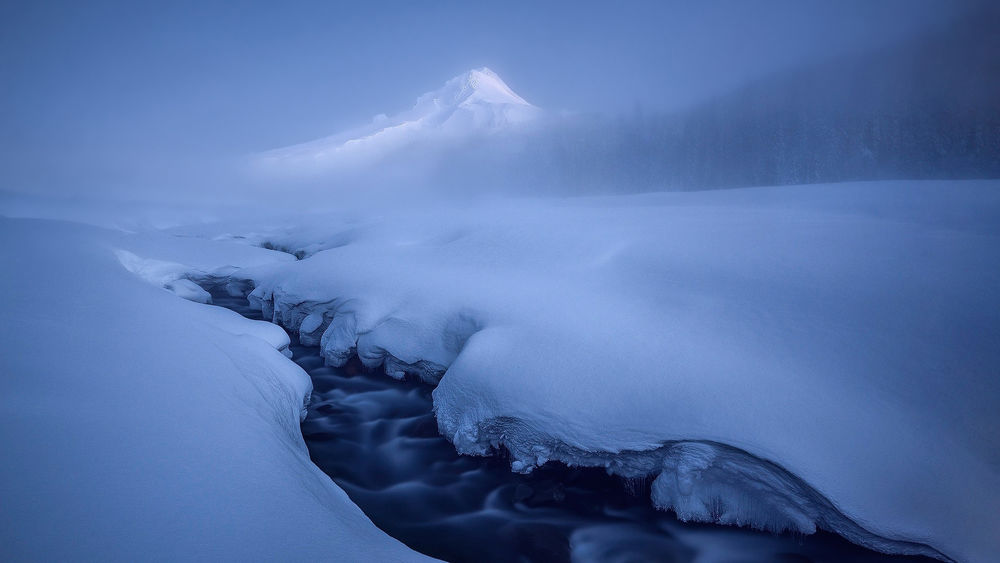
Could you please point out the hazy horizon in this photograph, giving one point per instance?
(113, 98)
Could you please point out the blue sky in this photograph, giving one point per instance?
(85, 86)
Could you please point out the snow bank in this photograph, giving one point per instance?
(138, 426)
(168, 275)
(783, 358)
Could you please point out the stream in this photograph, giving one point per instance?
(377, 438)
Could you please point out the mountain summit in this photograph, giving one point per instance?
(473, 103)
(479, 98)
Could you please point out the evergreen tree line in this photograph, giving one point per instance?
(926, 108)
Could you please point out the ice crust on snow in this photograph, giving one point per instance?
(782, 358)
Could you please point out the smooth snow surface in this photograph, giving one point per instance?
(474, 103)
(795, 358)
(139, 426)
(783, 358)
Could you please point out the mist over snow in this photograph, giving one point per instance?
(643, 281)
(919, 107)
(406, 148)
(110, 102)
(477, 102)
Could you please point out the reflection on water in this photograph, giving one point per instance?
(377, 438)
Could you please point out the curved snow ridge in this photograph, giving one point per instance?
(171, 276)
(344, 328)
(699, 480)
(188, 283)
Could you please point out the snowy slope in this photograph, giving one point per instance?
(474, 103)
(136, 425)
(787, 358)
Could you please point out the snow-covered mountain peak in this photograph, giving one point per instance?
(477, 85)
(476, 100)
(473, 103)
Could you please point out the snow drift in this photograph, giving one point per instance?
(139, 426)
(783, 358)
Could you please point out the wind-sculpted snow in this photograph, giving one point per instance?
(782, 358)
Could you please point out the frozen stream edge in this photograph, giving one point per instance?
(700, 481)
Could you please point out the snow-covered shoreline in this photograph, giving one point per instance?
(137, 426)
(782, 358)
(689, 476)
(775, 321)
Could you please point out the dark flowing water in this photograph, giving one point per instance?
(378, 440)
